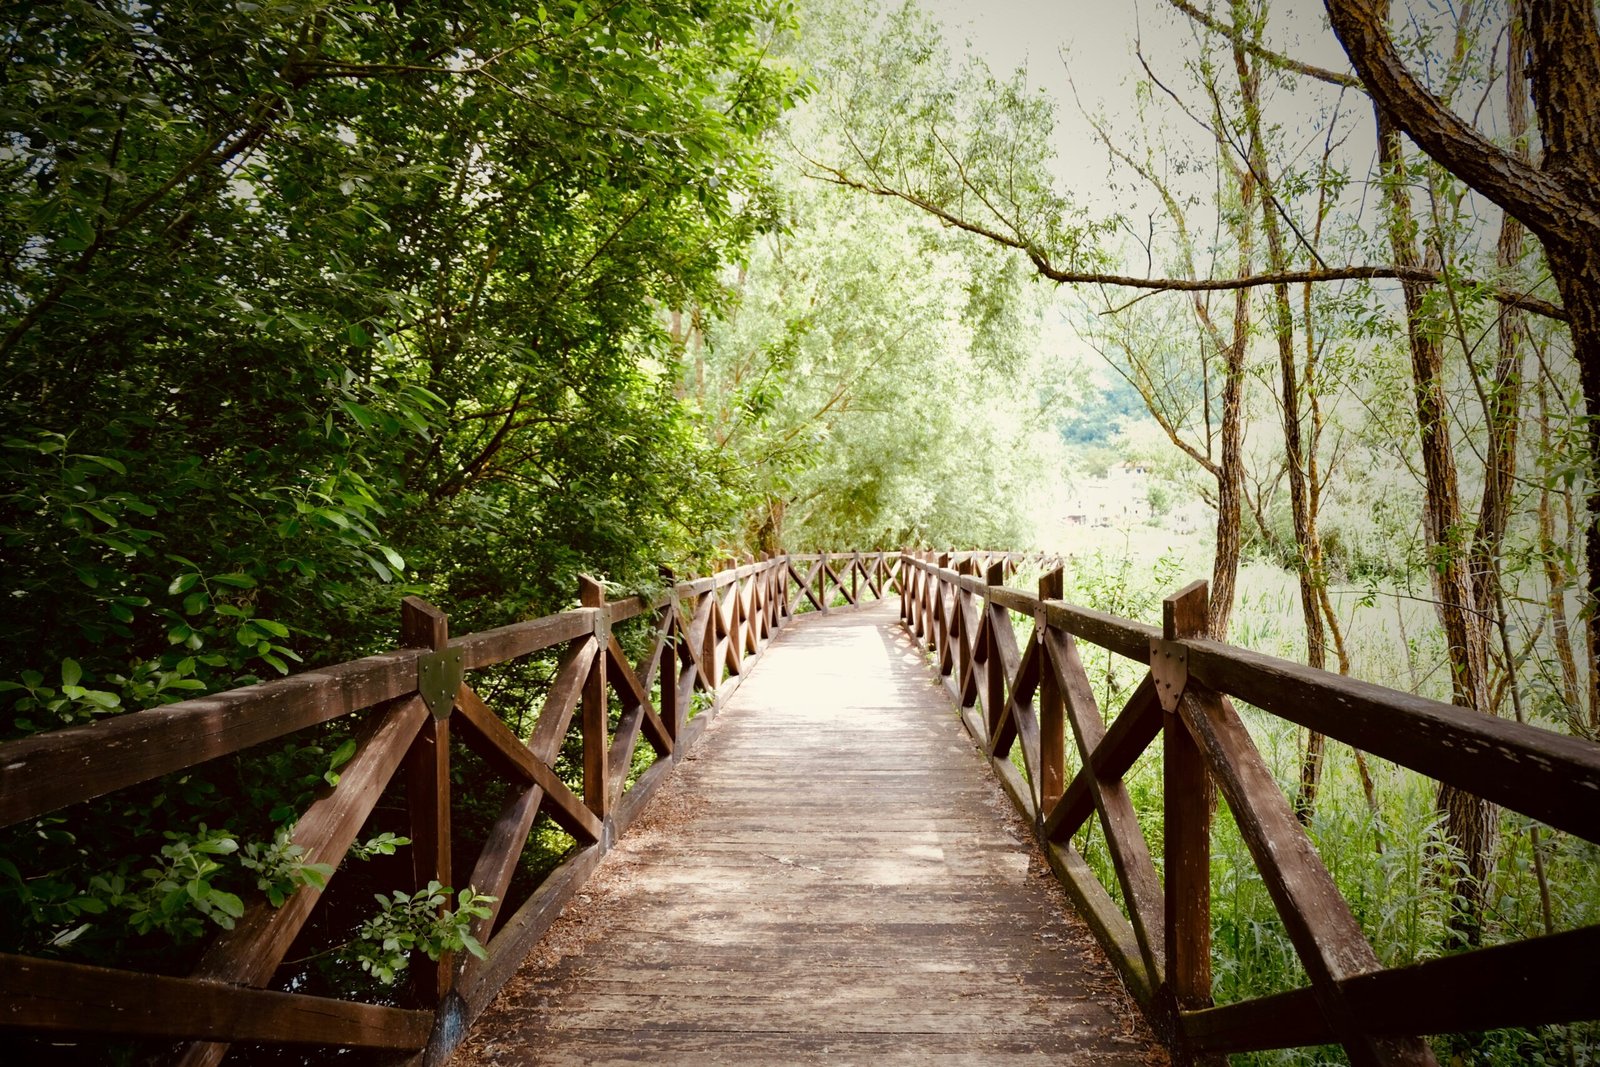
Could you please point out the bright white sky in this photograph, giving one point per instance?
(1095, 40)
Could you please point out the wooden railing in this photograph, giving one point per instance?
(1037, 695)
(409, 703)
(706, 635)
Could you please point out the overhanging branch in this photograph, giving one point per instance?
(1042, 264)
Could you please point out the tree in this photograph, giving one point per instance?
(309, 305)
(1557, 198)
(328, 299)
(878, 381)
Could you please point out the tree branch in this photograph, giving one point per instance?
(1523, 190)
(1276, 59)
(1042, 264)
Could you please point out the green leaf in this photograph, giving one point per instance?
(342, 754)
(107, 462)
(183, 583)
(237, 581)
(358, 412)
(99, 514)
(227, 903)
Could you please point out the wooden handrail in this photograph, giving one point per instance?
(965, 623)
(1536, 772)
(707, 634)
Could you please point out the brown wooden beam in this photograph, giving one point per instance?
(54, 995)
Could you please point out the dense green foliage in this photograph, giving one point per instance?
(307, 306)
(304, 302)
(878, 384)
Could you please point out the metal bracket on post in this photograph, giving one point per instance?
(1169, 667)
(438, 678)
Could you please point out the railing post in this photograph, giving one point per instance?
(938, 629)
(735, 599)
(919, 601)
(964, 655)
(1188, 797)
(667, 672)
(995, 675)
(1052, 710)
(596, 704)
(427, 764)
(760, 586)
(708, 640)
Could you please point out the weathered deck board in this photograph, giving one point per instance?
(833, 877)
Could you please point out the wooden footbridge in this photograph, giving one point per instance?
(818, 864)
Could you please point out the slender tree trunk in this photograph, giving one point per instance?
(1469, 821)
(1503, 397)
(1555, 576)
(1230, 470)
(1308, 551)
(1558, 200)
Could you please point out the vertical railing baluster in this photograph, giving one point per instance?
(1052, 710)
(964, 656)
(938, 628)
(596, 704)
(995, 676)
(1188, 797)
(427, 768)
(667, 672)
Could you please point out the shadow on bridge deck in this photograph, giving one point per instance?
(834, 876)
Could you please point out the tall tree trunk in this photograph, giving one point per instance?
(1469, 821)
(1555, 577)
(1558, 200)
(1230, 472)
(1294, 456)
(1503, 396)
(1564, 50)
(1230, 469)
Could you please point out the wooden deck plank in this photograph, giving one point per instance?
(834, 876)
